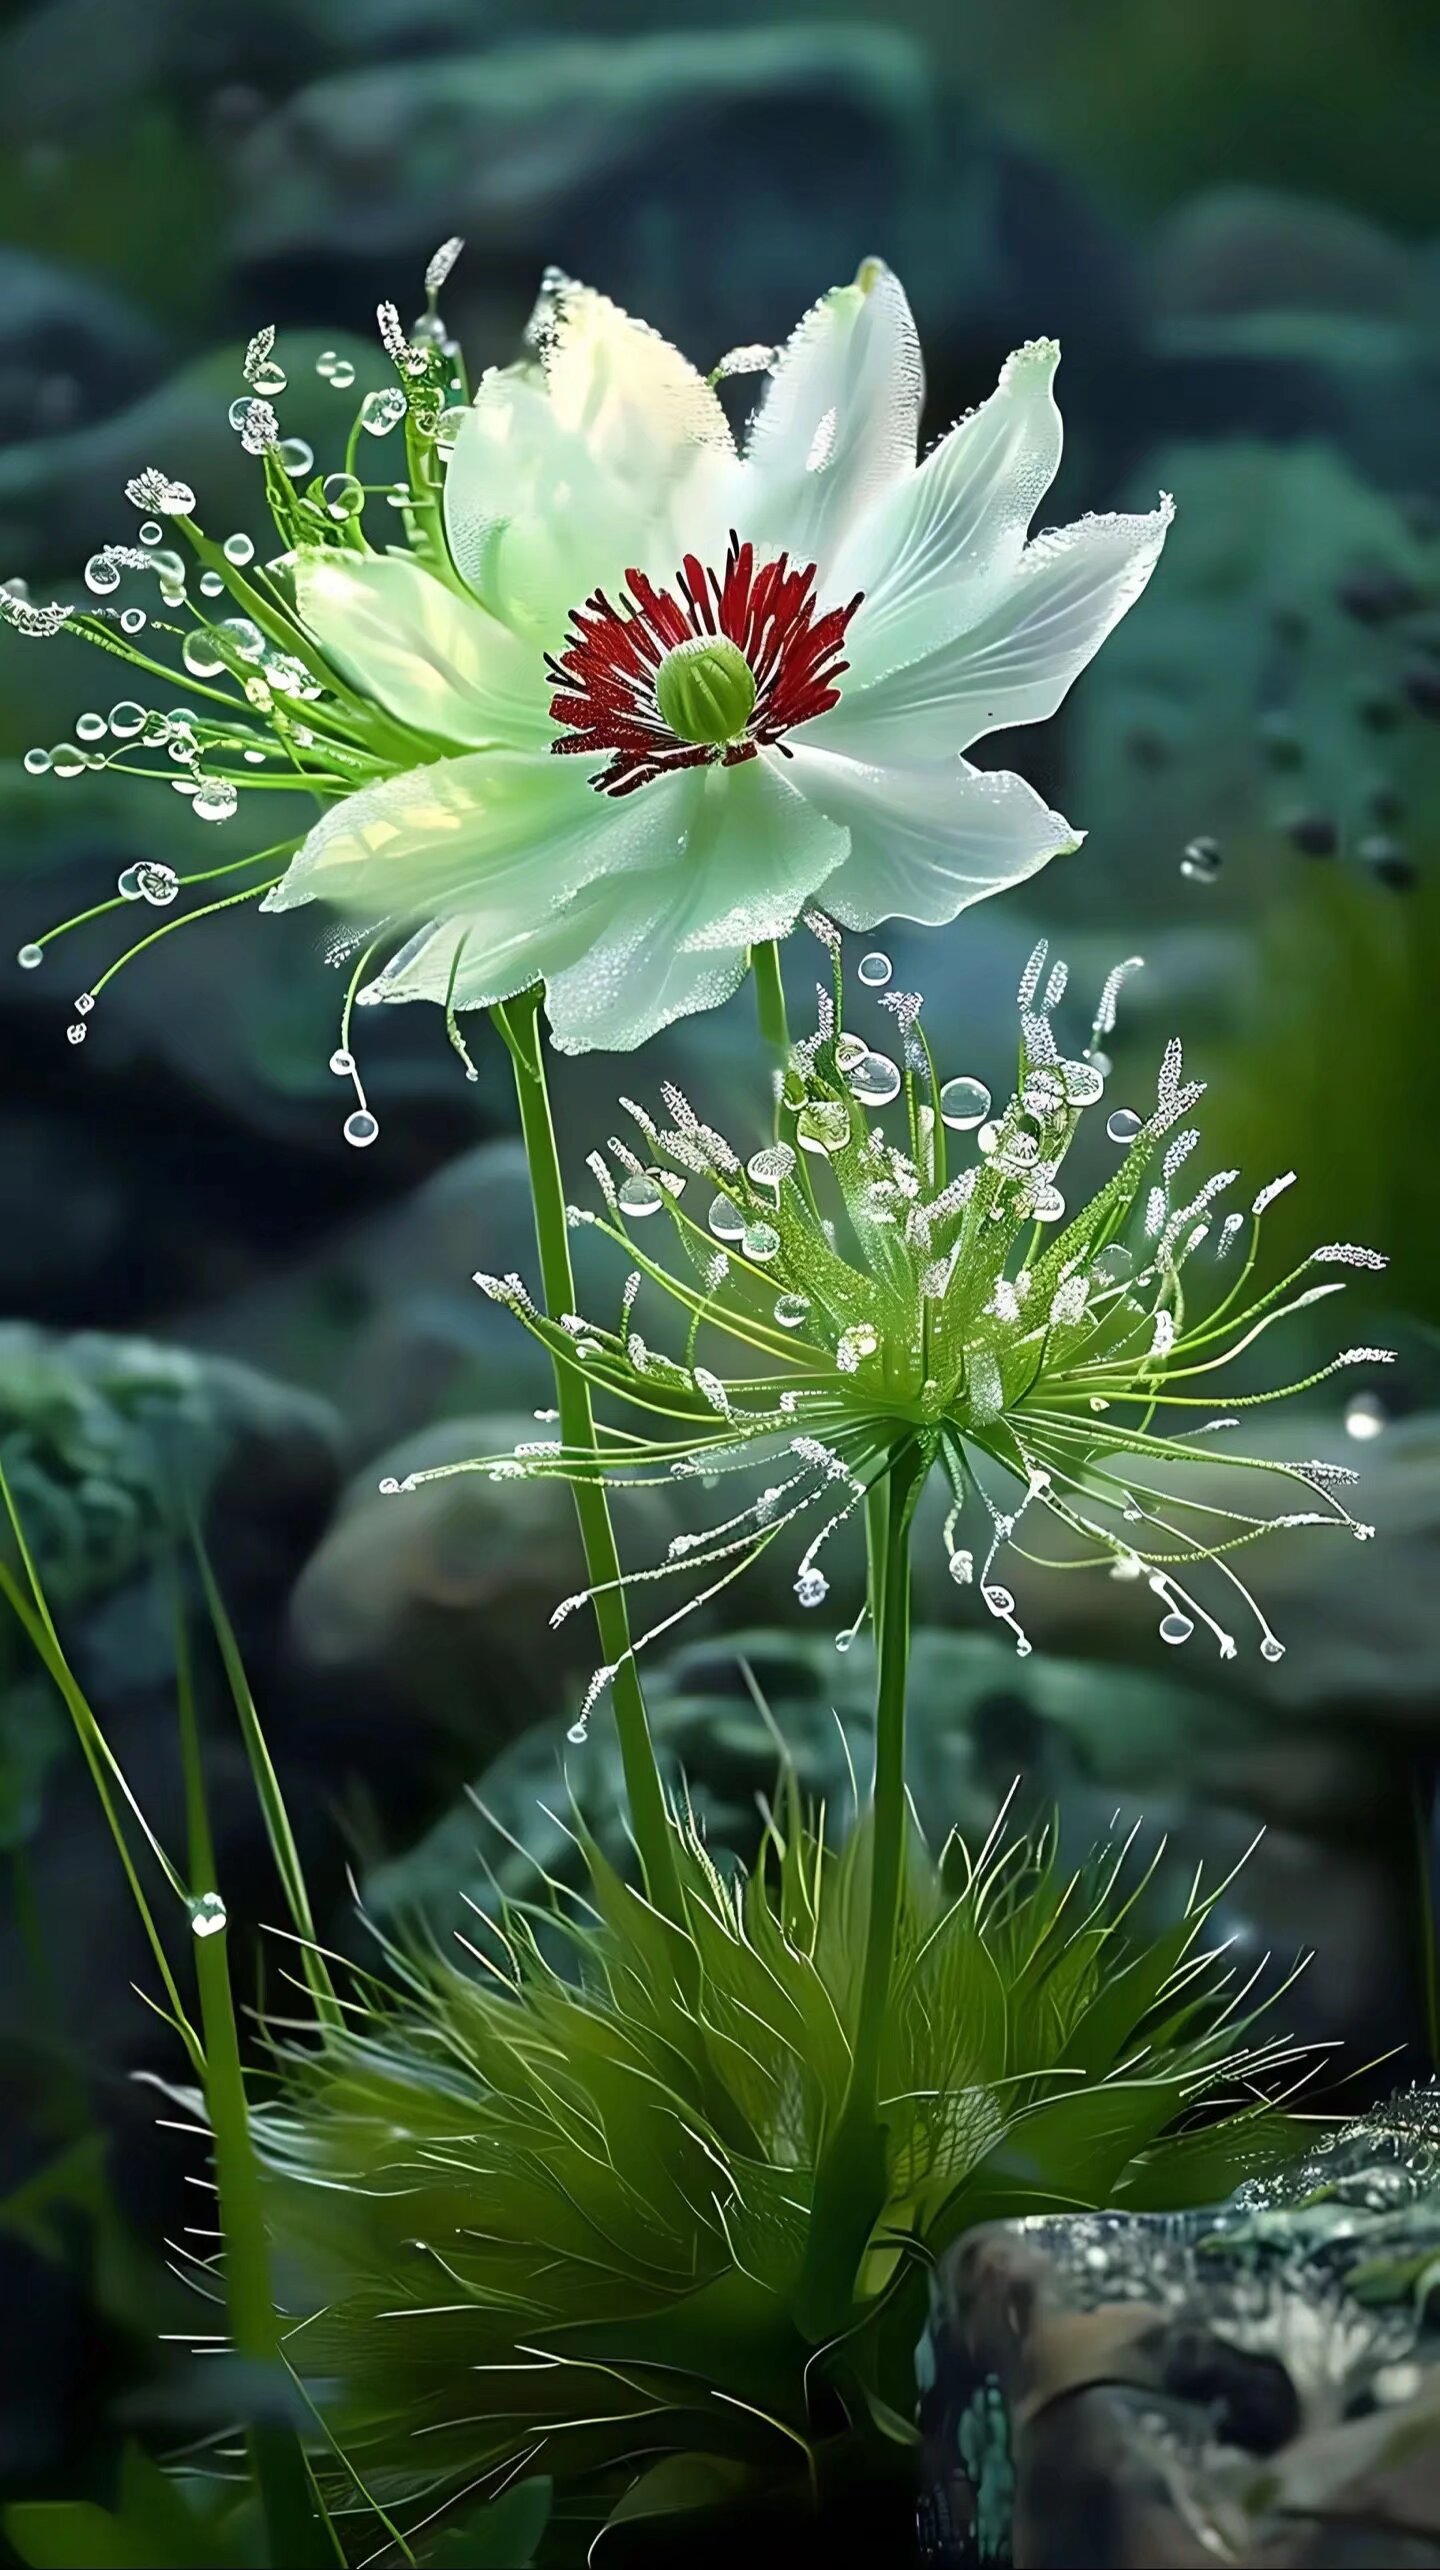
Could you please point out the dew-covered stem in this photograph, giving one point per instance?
(888, 1539)
(518, 1021)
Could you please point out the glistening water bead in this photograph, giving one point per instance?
(361, 1128)
(875, 1080)
(342, 1063)
(964, 1104)
(875, 971)
(1202, 861)
(208, 1915)
(1123, 1125)
(383, 410)
(1365, 1417)
(638, 1195)
(1176, 1627)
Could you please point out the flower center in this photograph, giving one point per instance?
(705, 691)
(713, 670)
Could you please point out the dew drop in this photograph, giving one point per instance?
(823, 1126)
(208, 1915)
(999, 1600)
(1084, 1083)
(964, 1104)
(66, 759)
(875, 971)
(1271, 1648)
(151, 532)
(1115, 1264)
(638, 1195)
(760, 1241)
(383, 410)
(29, 957)
(342, 374)
(342, 1063)
(854, 1345)
(1365, 1416)
(126, 719)
(577, 1735)
(76, 1034)
(844, 1640)
(158, 884)
(724, 1219)
(1176, 1627)
(212, 584)
(296, 456)
(812, 1587)
(239, 550)
(792, 1310)
(200, 656)
(343, 496)
(1048, 1205)
(216, 798)
(127, 883)
(101, 574)
(875, 1080)
(772, 1165)
(361, 1128)
(267, 380)
(1123, 1125)
(132, 620)
(1201, 861)
(238, 414)
(36, 762)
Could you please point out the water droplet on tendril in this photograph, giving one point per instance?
(37, 762)
(964, 1104)
(216, 798)
(29, 957)
(342, 1063)
(875, 971)
(208, 1915)
(1271, 1648)
(296, 456)
(1123, 1125)
(724, 1219)
(158, 884)
(239, 550)
(361, 1128)
(760, 1241)
(791, 1310)
(639, 1195)
(343, 496)
(1365, 1416)
(383, 410)
(1176, 1627)
(875, 1080)
(823, 1126)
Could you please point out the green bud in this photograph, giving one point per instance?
(705, 690)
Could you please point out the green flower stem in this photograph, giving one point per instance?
(518, 1021)
(888, 1534)
(296, 2532)
(770, 996)
(850, 2180)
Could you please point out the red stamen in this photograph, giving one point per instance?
(605, 674)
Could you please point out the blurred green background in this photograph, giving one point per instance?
(1230, 218)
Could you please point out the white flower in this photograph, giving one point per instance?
(679, 690)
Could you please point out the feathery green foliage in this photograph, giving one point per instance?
(542, 2210)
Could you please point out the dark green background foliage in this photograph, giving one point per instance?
(1229, 216)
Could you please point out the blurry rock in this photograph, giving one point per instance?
(431, 1608)
(71, 349)
(1240, 250)
(104, 1440)
(62, 494)
(602, 156)
(1175, 729)
(384, 1317)
(1259, 2384)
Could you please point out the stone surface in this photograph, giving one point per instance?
(1256, 2385)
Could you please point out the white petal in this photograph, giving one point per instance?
(640, 407)
(1015, 663)
(612, 452)
(839, 423)
(481, 957)
(501, 835)
(934, 547)
(755, 851)
(926, 842)
(424, 653)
